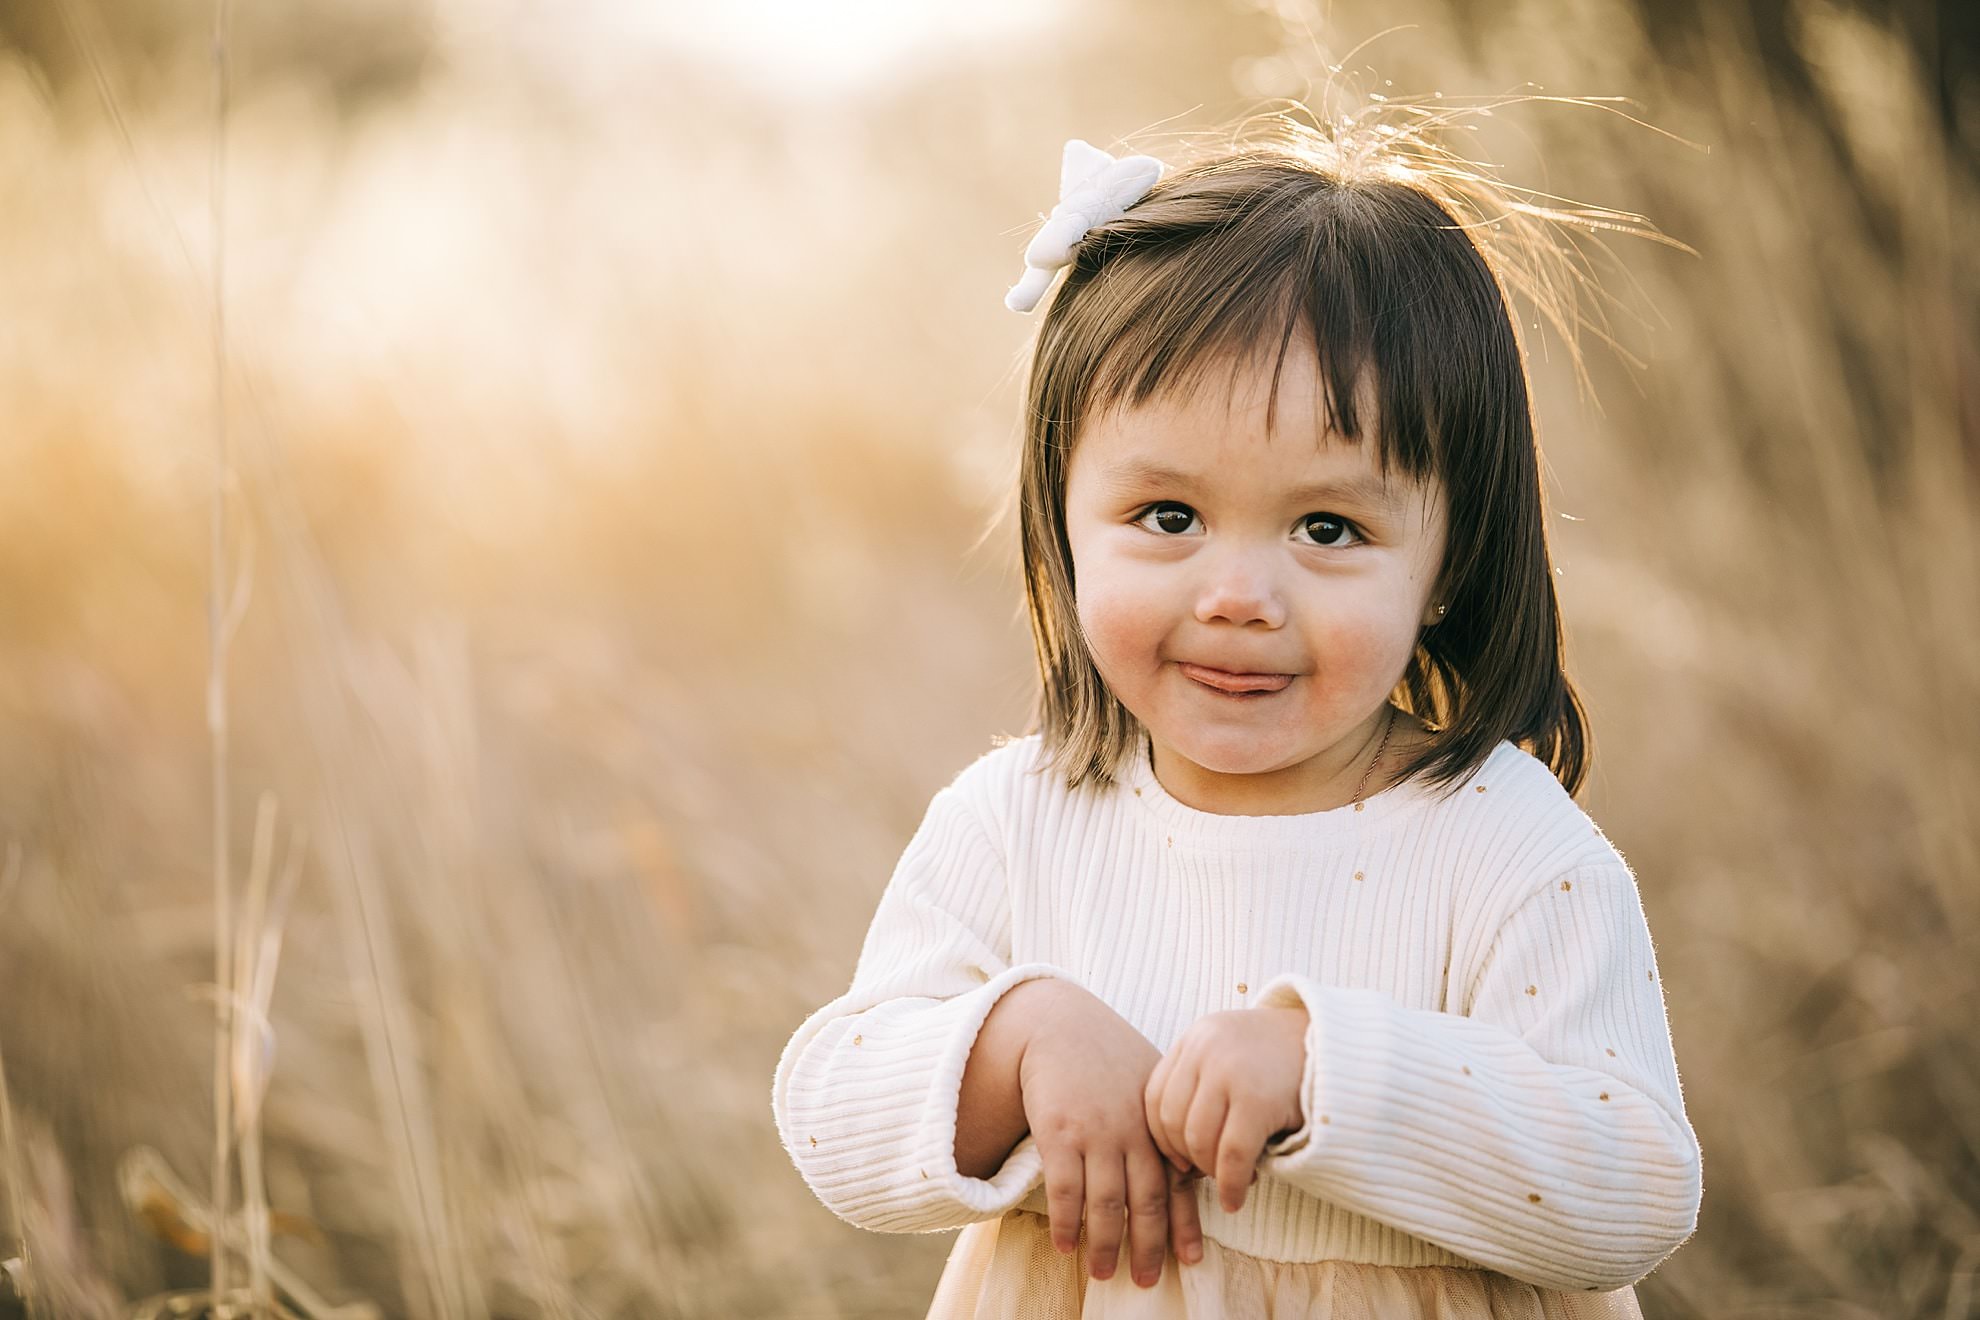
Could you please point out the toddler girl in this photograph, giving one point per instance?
(1278, 962)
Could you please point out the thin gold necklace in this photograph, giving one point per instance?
(1380, 747)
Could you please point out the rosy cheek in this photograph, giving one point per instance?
(1360, 655)
(1123, 631)
(1373, 650)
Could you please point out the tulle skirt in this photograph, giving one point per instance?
(1008, 1269)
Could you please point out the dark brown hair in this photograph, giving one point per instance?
(1236, 254)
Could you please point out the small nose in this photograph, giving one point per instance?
(1240, 589)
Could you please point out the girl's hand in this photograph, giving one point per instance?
(1082, 1075)
(1230, 1084)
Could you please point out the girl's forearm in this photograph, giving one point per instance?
(990, 1117)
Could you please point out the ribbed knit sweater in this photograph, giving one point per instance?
(1489, 1079)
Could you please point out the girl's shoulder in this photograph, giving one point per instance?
(1012, 786)
(1519, 819)
(1011, 766)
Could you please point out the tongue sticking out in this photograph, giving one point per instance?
(1217, 678)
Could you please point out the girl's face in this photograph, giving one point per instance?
(1252, 597)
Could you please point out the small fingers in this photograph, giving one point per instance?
(1185, 1227)
(1203, 1128)
(1237, 1155)
(1151, 1103)
(1065, 1196)
(1172, 1107)
(1148, 1214)
(1106, 1211)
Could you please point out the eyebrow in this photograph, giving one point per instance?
(1360, 488)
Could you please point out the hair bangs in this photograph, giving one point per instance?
(1303, 270)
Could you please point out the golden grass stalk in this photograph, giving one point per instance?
(434, 1280)
(252, 1040)
(19, 1267)
(219, 615)
(398, 1084)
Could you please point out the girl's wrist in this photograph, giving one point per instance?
(990, 1118)
(1042, 998)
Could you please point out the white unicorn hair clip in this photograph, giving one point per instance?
(1094, 188)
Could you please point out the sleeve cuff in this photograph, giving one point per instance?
(1290, 991)
(1024, 1166)
(866, 1100)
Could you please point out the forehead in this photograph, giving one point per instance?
(1223, 429)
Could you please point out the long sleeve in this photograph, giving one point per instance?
(1541, 1132)
(866, 1091)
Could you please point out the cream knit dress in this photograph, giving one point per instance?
(1494, 1125)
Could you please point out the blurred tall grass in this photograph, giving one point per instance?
(611, 427)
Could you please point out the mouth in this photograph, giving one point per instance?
(1225, 683)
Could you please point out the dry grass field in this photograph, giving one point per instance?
(586, 433)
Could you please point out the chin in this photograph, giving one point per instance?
(1235, 753)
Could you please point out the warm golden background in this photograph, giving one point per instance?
(616, 394)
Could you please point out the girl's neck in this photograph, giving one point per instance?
(1396, 737)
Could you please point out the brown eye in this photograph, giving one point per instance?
(1325, 529)
(1168, 517)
